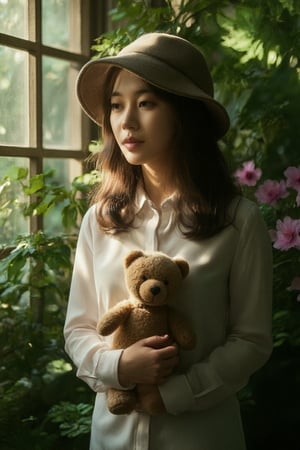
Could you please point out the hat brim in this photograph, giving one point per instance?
(92, 78)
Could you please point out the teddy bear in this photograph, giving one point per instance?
(151, 279)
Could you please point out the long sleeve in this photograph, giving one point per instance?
(96, 364)
(248, 342)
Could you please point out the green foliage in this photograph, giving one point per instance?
(35, 276)
(35, 279)
(45, 194)
(133, 19)
(11, 197)
(73, 419)
(38, 267)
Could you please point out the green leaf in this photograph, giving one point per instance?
(16, 173)
(36, 183)
(69, 216)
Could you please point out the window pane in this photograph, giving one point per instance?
(65, 170)
(61, 113)
(13, 17)
(61, 24)
(12, 221)
(14, 124)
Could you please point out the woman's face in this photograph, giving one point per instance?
(143, 124)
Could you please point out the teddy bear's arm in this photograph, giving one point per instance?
(181, 331)
(111, 320)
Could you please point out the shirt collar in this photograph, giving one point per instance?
(141, 199)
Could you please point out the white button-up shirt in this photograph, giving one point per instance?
(226, 297)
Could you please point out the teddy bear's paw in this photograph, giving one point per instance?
(121, 402)
(121, 408)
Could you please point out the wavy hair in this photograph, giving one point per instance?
(204, 184)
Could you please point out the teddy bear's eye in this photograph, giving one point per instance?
(144, 278)
(166, 282)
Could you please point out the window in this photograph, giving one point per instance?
(43, 44)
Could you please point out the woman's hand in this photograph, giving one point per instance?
(149, 400)
(148, 361)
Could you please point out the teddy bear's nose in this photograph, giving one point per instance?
(155, 290)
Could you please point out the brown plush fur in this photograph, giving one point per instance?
(151, 280)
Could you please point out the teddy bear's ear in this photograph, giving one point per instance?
(183, 266)
(132, 256)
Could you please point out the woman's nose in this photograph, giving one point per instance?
(130, 120)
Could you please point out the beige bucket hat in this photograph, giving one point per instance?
(168, 62)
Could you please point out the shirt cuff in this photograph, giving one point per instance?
(107, 369)
(176, 394)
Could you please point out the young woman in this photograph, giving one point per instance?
(166, 188)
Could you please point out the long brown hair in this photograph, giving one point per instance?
(204, 185)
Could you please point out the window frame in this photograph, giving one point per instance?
(93, 22)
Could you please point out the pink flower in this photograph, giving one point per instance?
(287, 234)
(271, 191)
(295, 286)
(293, 178)
(298, 199)
(248, 175)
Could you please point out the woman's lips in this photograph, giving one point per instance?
(131, 143)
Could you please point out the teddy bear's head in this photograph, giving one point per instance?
(153, 277)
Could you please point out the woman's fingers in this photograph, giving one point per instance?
(157, 341)
(148, 361)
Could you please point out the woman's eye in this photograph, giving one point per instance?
(145, 104)
(115, 106)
